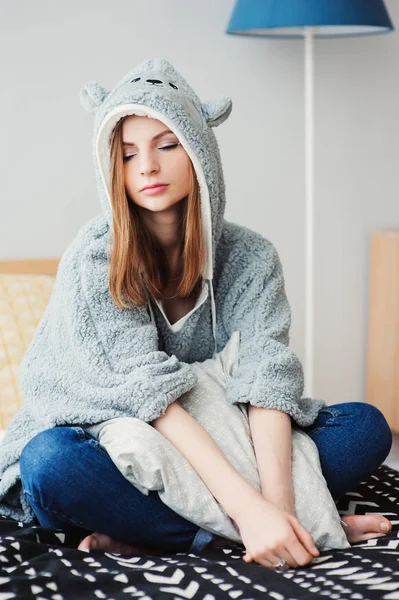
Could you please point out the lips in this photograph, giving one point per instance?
(151, 191)
(148, 187)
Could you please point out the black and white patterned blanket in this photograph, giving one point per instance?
(41, 563)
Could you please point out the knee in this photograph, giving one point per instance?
(377, 422)
(41, 456)
(374, 431)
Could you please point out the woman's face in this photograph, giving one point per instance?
(148, 161)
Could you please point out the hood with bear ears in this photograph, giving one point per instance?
(154, 88)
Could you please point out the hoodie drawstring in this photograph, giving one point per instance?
(213, 309)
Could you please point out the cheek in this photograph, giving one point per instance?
(180, 174)
(183, 167)
(128, 178)
(129, 187)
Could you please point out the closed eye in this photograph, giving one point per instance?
(129, 156)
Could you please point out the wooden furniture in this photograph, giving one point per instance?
(383, 326)
(25, 290)
(44, 266)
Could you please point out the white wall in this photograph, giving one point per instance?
(49, 50)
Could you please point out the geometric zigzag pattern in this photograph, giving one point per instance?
(41, 563)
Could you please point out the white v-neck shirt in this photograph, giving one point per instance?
(179, 324)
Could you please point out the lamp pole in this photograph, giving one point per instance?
(309, 33)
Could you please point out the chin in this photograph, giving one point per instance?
(160, 204)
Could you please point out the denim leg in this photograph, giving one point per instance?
(353, 440)
(202, 539)
(70, 481)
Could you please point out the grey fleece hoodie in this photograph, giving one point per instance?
(90, 361)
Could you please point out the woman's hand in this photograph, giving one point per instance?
(270, 534)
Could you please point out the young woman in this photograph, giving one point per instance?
(159, 280)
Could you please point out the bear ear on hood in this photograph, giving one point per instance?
(217, 111)
(92, 95)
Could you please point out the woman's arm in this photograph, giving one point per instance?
(204, 455)
(271, 432)
(266, 531)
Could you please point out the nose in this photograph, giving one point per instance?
(148, 163)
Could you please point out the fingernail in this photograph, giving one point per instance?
(384, 526)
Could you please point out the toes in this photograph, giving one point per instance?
(100, 538)
(365, 527)
(380, 521)
(95, 542)
(385, 526)
(366, 523)
(85, 544)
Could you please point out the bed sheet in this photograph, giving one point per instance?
(41, 563)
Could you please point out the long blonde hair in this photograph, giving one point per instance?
(138, 265)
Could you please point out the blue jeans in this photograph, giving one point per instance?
(71, 483)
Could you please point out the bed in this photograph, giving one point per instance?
(41, 563)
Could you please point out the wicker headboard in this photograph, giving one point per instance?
(44, 266)
(25, 289)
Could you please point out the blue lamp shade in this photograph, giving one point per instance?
(288, 18)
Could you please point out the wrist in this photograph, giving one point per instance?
(285, 501)
(243, 495)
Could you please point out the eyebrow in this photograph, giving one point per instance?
(161, 134)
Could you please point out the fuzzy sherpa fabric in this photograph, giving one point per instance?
(90, 361)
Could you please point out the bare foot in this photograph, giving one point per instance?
(100, 541)
(364, 527)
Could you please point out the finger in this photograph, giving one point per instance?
(299, 552)
(266, 563)
(282, 553)
(304, 537)
(271, 560)
(261, 561)
(247, 558)
(289, 558)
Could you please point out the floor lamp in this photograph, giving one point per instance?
(309, 19)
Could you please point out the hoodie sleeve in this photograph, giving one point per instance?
(89, 360)
(269, 374)
(129, 345)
